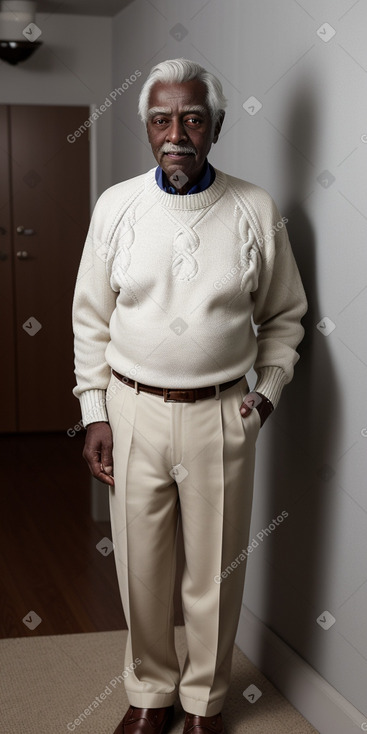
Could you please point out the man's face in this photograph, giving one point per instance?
(180, 129)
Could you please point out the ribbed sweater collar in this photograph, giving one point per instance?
(189, 202)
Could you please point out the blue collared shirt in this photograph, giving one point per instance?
(205, 181)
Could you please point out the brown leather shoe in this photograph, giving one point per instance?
(146, 721)
(203, 724)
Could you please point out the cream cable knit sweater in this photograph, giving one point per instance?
(168, 286)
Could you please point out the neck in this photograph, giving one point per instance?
(182, 190)
(192, 202)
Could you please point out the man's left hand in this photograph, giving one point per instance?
(256, 401)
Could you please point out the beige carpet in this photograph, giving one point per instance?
(47, 682)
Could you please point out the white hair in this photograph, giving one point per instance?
(183, 70)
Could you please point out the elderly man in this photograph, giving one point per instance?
(178, 264)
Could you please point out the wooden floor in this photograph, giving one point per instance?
(49, 563)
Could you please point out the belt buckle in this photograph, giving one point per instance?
(167, 399)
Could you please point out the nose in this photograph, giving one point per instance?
(176, 132)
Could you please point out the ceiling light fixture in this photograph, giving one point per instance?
(18, 31)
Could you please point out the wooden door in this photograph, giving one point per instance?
(8, 406)
(50, 201)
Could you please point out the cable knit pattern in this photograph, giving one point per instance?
(184, 265)
(124, 236)
(248, 251)
(186, 241)
(247, 257)
(169, 287)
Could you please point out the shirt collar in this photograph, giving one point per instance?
(204, 182)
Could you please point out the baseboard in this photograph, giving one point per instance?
(323, 706)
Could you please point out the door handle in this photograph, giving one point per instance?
(26, 232)
(22, 255)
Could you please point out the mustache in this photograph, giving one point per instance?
(180, 149)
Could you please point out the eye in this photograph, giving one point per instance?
(194, 120)
(159, 121)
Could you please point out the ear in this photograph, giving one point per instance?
(218, 126)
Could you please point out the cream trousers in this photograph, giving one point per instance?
(196, 458)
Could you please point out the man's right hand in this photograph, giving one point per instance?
(98, 451)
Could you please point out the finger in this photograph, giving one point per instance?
(93, 459)
(96, 469)
(106, 472)
(105, 478)
(245, 410)
(106, 460)
(250, 402)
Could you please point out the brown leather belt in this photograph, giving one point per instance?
(176, 395)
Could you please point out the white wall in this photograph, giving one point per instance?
(311, 453)
(72, 67)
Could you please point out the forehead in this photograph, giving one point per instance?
(178, 94)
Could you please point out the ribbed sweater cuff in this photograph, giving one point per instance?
(93, 406)
(270, 383)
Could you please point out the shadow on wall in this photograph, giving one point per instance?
(303, 432)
